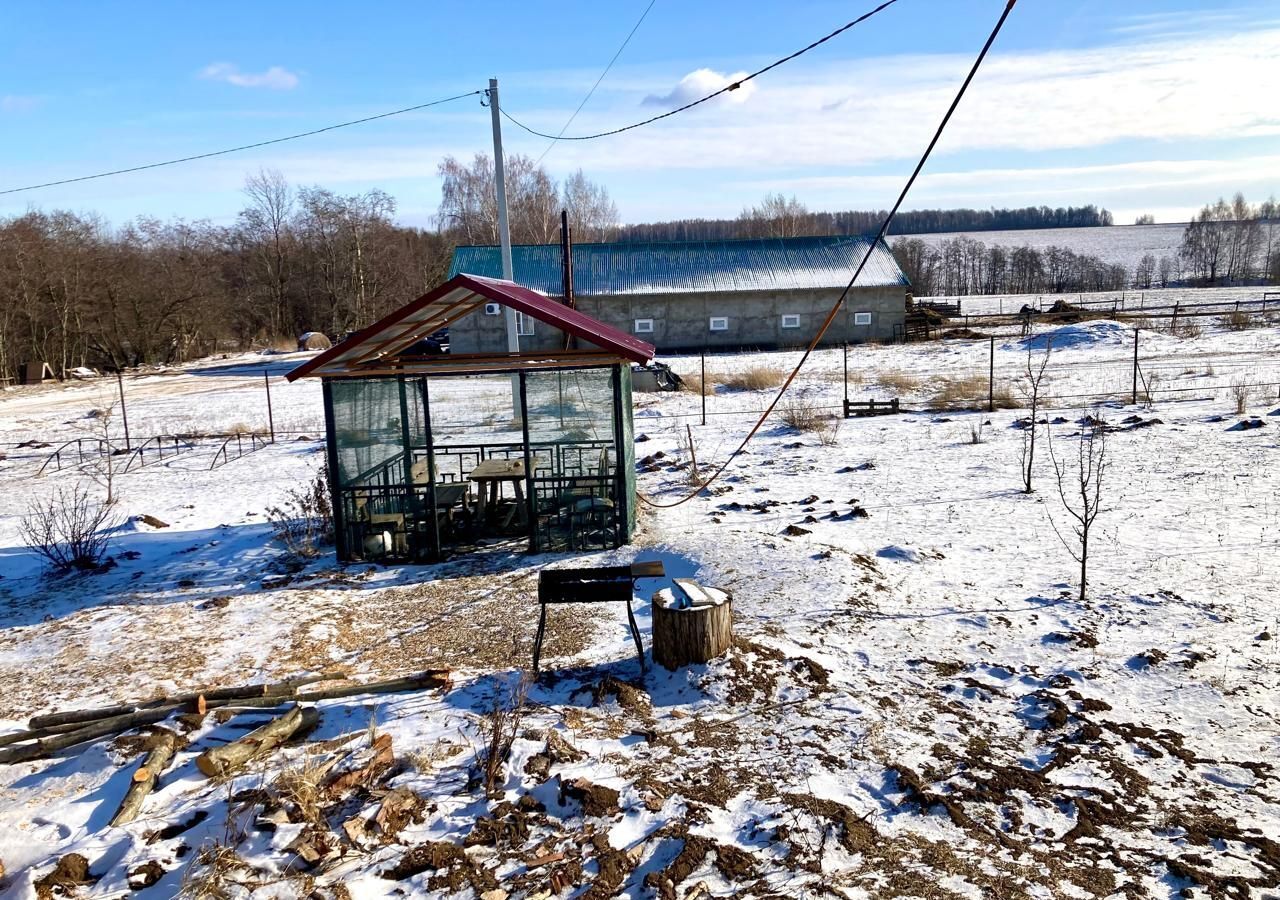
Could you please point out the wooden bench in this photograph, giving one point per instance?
(857, 409)
(603, 584)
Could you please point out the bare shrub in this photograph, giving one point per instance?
(689, 449)
(1188, 328)
(754, 378)
(69, 530)
(499, 728)
(1237, 320)
(897, 381)
(807, 415)
(976, 433)
(304, 521)
(1240, 392)
(1080, 490)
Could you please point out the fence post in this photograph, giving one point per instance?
(1134, 400)
(846, 380)
(271, 419)
(991, 379)
(124, 413)
(703, 388)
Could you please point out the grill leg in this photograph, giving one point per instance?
(635, 633)
(537, 642)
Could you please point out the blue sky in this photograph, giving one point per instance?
(1142, 106)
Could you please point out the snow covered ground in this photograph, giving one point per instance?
(918, 705)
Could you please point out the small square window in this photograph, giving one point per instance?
(862, 318)
(644, 326)
(524, 324)
(492, 309)
(790, 321)
(719, 323)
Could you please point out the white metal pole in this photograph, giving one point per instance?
(504, 236)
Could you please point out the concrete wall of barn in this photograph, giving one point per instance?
(682, 322)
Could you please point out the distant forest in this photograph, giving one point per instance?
(801, 221)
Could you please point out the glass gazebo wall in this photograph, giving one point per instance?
(402, 450)
(573, 433)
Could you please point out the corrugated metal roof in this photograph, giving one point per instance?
(686, 266)
(462, 295)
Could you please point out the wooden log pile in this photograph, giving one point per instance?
(54, 732)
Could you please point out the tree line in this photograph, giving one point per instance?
(780, 216)
(1225, 244)
(75, 291)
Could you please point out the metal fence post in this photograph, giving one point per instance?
(702, 388)
(124, 413)
(846, 380)
(991, 379)
(271, 419)
(1135, 367)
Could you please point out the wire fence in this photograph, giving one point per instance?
(986, 379)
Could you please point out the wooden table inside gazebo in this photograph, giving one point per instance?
(489, 476)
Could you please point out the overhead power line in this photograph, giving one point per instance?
(279, 140)
(627, 40)
(871, 248)
(724, 90)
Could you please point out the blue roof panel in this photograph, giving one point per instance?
(670, 267)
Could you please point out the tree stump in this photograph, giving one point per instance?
(691, 624)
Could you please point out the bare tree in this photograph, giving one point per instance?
(776, 216)
(592, 214)
(1032, 381)
(268, 223)
(1080, 487)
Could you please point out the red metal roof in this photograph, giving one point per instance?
(460, 296)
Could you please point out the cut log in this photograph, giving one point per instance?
(284, 688)
(48, 745)
(144, 779)
(423, 681)
(230, 757)
(691, 624)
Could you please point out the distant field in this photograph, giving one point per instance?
(1124, 244)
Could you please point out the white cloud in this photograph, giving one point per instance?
(276, 78)
(16, 103)
(699, 83)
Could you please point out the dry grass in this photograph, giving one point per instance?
(299, 788)
(1238, 320)
(754, 378)
(970, 392)
(809, 416)
(696, 384)
(897, 381)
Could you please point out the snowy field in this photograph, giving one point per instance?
(918, 705)
(1123, 244)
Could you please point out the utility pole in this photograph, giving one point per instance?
(504, 234)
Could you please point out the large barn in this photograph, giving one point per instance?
(689, 295)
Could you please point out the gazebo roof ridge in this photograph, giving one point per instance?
(379, 345)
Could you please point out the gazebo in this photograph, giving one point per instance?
(432, 453)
